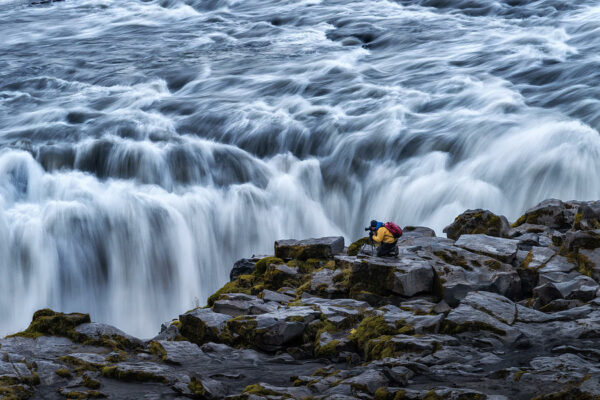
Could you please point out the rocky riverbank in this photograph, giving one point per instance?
(494, 311)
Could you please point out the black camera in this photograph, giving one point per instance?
(368, 228)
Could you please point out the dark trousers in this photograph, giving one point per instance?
(386, 249)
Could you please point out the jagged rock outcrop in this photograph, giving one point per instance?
(510, 315)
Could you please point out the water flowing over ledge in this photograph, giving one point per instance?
(146, 145)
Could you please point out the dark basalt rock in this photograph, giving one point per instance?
(244, 266)
(552, 213)
(325, 247)
(478, 222)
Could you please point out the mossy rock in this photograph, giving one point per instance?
(452, 328)
(89, 394)
(89, 382)
(552, 213)
(278, 276)
(355, 247)
(49, 323)
(246, 284)
(261, 265)
(196, 387)
(63, 373)
(325, 247)
(478, 222)
(131, 375)
(15, 392)
(202, 325)
(259, 390)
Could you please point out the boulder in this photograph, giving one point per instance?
(576, 240)
(203, 325)
(103, 334)
(329, 283)
(48, 322)
(274, 330)
(392, 346)
(554, 264)
(177, 352)
(586, 218)
(244, 266)
(325, 247)
(552, 213)
(501, 249)
(279, 275)
(384, 276)
(203, 388)
(369, 381)
(459, 271)
(478, 222)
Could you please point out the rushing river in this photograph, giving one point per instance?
(146, 145)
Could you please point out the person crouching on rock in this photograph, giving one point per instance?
(387, 234)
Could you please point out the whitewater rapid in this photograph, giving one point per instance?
(146, 145)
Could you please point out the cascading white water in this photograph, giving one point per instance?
(146, 145)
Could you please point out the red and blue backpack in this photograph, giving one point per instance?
(394, 229)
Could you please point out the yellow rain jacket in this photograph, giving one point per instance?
(383, 235)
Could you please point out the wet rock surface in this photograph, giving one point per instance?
(479, 317)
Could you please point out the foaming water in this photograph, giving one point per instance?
(146, 145)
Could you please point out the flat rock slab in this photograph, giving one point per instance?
(325, 247)
(466, 318)
(269, 295)
(494, 304)
(501, 249)
(236, 307)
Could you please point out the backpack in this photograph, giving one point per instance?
(394, 229)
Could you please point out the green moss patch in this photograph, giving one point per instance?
(49, 323)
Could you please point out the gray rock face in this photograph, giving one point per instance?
(325, 247)
(493, 304)
(478, 222)
(404, 276)
(203, 325)
(459, 271)
(552, 213)
(244, 266)
(501, 249)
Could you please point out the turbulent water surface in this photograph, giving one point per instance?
(145, 145)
